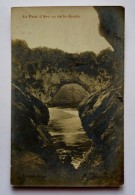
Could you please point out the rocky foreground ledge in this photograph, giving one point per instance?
(34, 159)
(102, 119)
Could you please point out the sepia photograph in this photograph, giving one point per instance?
(67, 112)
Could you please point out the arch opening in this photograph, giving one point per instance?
(69, 95)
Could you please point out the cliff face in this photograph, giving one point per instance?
(101, 116)
(112, 26)
(34, 158)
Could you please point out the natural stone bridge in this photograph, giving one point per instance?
(69, 95)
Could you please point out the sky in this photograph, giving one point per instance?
(71, 29)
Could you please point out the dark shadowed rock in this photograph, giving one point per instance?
(102, 119)
(112, 26)
(34, 159)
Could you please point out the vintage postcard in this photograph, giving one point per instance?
(67, 96)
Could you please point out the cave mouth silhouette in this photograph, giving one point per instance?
(69, 95)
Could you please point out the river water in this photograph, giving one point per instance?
(68, 135)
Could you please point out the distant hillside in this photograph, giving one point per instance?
(42, 71)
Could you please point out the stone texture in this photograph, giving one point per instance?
(34, 158)
(102, 119)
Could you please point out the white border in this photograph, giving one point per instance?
(5, 77)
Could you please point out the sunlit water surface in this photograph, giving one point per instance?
(68, 135)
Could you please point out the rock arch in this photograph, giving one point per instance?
(69, 95)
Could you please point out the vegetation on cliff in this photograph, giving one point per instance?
(43, 71)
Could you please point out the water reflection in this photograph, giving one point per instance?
(68, 135)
